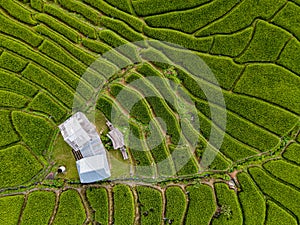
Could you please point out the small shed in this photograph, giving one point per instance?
(117, 139)
(93, 168)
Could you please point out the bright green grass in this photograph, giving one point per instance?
(176, 204)
(39, 208)
(278, 216)
(124, 207)
(251, 200)
(98, 200)
(150, 201)
(18, 166)
(10, 209)
(292, 153)
(34, 130)
(70, 209)
(7, 132)
(201, 205)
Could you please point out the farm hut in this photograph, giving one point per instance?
(93, 168)
(117, 139)
(88, 150)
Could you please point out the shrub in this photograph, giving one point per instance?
(61, 72)
(184, 160)
(10, 99)
(149, 7)
(121, 28)
(84, 56)
(276, 215)
(112, 39)
(251, 200)
(78, 7)
(150, 201)
(142, 159)
(227, 199)
(18, 30)
(19, 12)
(124, 5)
(71, 20)
(37, 5)
(292, 153)
(59, 27)
(191, 20)
(266, 44)
(284, 194)
(10, 81)
(18, 166)
(7, 132)
(280, 85)
(39, 208)
(288, 18)
(273, 118)
(176, 205)
(201, 205)
(289, 57)
(35, 131)
(98, 200)
(95, 46)
(11, 207)
(233, 21)
(124, 208)
(70, 209)
(182, 39)
(12, 62)
(44, 103)
(232, 44)
(49, 83)
(132, 102)
(284, 170)
(113, 12)
(243, 130)
(54, 51)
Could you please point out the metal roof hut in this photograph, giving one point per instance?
(89, 152)
(117, 139)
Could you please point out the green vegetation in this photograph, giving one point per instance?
(35, 131)
(58, 27)
(11, 82)
(201, 205)
(266, 44)
(16, 29)
(251, 200)
(285, 195)
(284, 171)
(10, 99)
(231, 212)
(39, 208)
(292, 153)
(7, 132)
(72, 21)
(276, 88)
(150, 201)
(278, 216)
(157, 6)
(44, 103)
(231, 45)
(70, 209)
(175, 205)
(17, 11)
(124, 212)
(12, 62)
(191, 20)
(10, 208)
(18, 166)
(98, 200)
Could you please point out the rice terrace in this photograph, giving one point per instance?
(150, 112)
